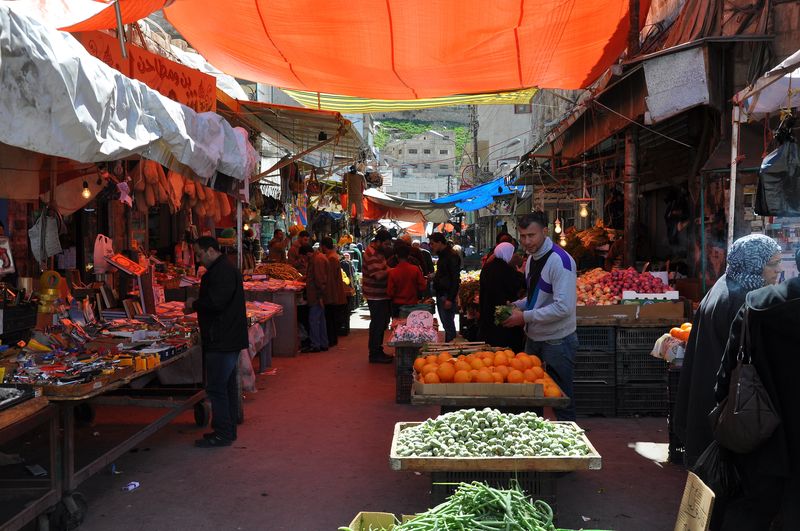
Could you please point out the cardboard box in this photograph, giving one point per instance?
(673, 311)
(614, 311)
(696, 506)
(479, 389)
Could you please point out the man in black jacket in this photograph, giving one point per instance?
(223, 331)
(771, 474)
(445, 283)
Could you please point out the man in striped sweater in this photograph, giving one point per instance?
(548, 311)
(374, 280)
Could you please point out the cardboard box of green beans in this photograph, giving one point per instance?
(473, 506)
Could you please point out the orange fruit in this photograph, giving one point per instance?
(537, 371)
(446, 372)
(517, 364)
(461, 357)
(476, 364)
(515, 376)
(551, 391)
(522, 353)
(484, 376)
(430, 367)
(686, 326)
(463, 366)
(473, 374)
(500, 359)
(498, 378)
(431, 378)
(431, 358)
(536, 361)
(502, 369)
(445, 356)
(530, 375)
(527, 363)
(419, 363)
(540, 381)
(462, 377)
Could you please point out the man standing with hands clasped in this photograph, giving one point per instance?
(548, 310)
(223, 332)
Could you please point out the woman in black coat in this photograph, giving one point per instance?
(745, 272)
(500, 283)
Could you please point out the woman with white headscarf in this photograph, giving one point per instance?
(752, 262)
(500, 283)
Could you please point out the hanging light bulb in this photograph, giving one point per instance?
(584, 212)
(558, 226)
(563, 241)
(86, 193)
(245, 227)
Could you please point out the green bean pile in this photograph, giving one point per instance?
(478, 507)
(489, 433)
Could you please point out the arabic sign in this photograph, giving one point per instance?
(180, 83)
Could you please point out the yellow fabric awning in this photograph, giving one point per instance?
(352, 104)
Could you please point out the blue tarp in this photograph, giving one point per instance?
(479, 196)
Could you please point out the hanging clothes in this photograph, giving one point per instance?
(355, 193)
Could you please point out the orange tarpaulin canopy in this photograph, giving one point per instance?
(408, 49)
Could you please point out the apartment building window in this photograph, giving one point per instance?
(426, 151)
(408, 195)
(412, 151)
(426, 166)
(524, 108)
(444, 151)
(425, 196)
(443, 166)
(400, 151)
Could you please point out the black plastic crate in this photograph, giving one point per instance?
(642, 399)
(594, 398)
(403, 389)
(640, 338)
(404, 358)
(640, 367)
(673, 381)
(537, 485)
(596, 367)
(596, 338)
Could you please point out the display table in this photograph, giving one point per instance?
(23, 497)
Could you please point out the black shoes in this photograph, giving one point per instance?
(213, 434)
(212, 440)
(381, 358)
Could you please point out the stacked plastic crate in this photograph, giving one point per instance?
(641, 378)
(594, 376)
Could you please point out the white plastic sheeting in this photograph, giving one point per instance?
(779, 88)
(56, 99)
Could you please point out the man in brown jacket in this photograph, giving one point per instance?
(335, 295)
(316, 284)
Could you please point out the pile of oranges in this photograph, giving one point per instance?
(502, 366)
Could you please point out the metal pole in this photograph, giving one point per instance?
(633, 31)
(120, 29)
(631, 195)
(474, 120)
(735, 117)
(239, 233)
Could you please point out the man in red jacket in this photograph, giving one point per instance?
(405, 281)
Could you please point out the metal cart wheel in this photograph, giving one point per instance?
(202, 413)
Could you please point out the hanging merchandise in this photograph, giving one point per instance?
(6, 258)
(103, 247)
(778, 192)
(313, 187)
(355, 193)
(374, 179)
(51, 245)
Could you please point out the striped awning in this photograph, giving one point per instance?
(354, 105)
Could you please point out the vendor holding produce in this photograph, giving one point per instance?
(548, 311)
(500, 284)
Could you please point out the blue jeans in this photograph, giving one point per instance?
(318, 330)
(448, 318)
(558, 355)
(379, 312)
(221, 374)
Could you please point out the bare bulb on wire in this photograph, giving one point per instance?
(558, 226)
(563, 241)
(86, 193)
(584, 212)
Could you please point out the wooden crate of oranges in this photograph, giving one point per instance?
(486, 373)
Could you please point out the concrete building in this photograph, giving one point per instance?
(423, 167)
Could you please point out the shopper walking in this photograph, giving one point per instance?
(752, 264)
(222, 318)
(548, 311)
(374, 280)
(316, 284)
(500, 284)
(446, 281)
(335, 296)
(405, 281)
(770, 475)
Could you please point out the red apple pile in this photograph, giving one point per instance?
(600, 288)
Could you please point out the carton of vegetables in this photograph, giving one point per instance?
(502, 313)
